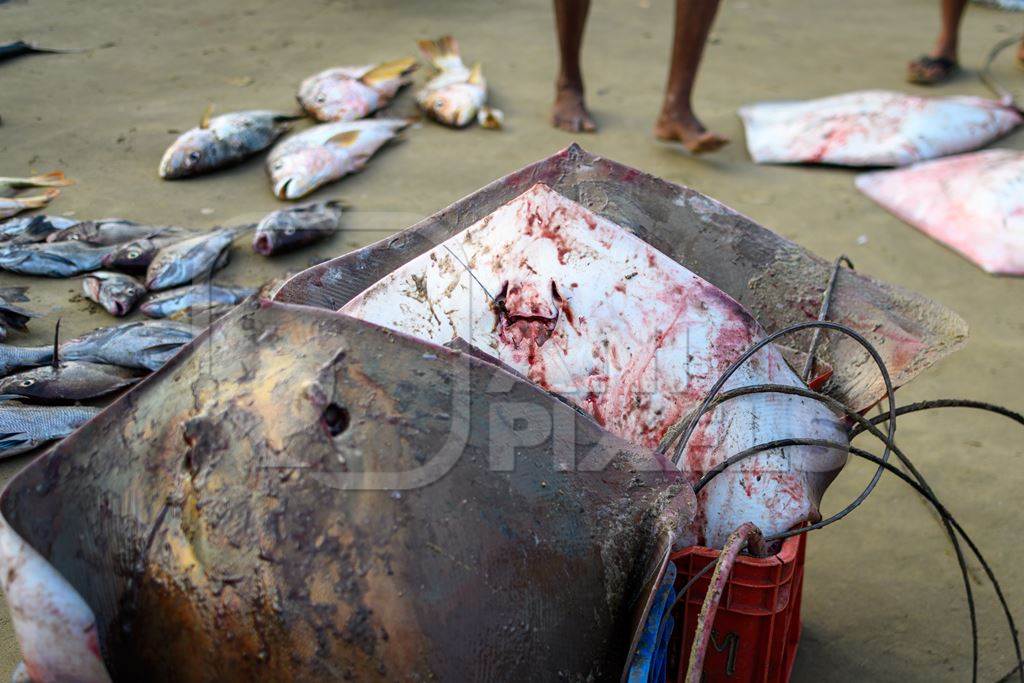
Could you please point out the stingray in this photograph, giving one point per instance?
(972, 203)
(305, 496)
(873, 128)
(590, 312)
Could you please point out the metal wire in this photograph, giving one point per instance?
(691, 423)
(826, 305)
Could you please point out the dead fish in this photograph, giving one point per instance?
(14, 357)
(222, 141)
(310, 159)
(347, 93)
(190, 260)
(56, 259)
(10, 206)
(174, 301)
(873, 128)
(68, 381)
(288, 229)
(455, 95)
(10, 186)
(141, 345)
(137, 255)
(20, 47)
(12, 316)
(24, 427)
(972, 203)
(491, 118)
(111, 231)
(30, 229)
(116, 292)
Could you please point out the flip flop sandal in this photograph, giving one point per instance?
(927, 70)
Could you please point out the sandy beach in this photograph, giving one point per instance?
(883, 598)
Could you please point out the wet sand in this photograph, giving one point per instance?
(883, 598)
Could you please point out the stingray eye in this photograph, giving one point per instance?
(26, 382)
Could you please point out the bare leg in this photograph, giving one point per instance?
(942, 60)
(677, 120)
(569, 112)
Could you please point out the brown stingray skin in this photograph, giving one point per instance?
(200, 518)
(779, 282)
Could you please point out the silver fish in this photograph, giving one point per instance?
(24, 427)
(110, 231)
(190, 260)
(456, 94)
(29, 229)
(15, 205)
(301, 163)
(142, 345)
(136, 256)
(116, 292)
(222, 141)
(288, 229)
(56, 259)
(15, 357)
(68, 381)
(174, 301)
(347, 93)
(10, 186)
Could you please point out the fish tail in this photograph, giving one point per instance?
(398, 68)
(443, 53)
(489, 117)
(38, 201)
(52, 179)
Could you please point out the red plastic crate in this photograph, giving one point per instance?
(757, 626)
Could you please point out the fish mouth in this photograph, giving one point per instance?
(262, 245)
(118, 308)
(283, 190)
(516, 328)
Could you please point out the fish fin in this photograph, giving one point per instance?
(476, 75)
(52, 179)
(14, 294)
(440, 52)
(346, 139)
(389, 70)
(204, 121)
(489, 117)
(56, 345)
(11, 441)
(39, 201)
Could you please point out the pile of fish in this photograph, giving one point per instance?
(339, 99)
(12, 202)
(40, 386)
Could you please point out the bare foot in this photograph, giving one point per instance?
(689, 131)
(569, 113)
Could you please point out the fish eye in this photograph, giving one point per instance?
(194, 156)
(133, 253)
(438, 104)
(73, 237)
(290, 230)
(278, 165)
(26, 382)
(321, 98)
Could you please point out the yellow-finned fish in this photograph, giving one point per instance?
(10, 206)
(10, 186)
(303, 162)
(347, 93)
(456, 95)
